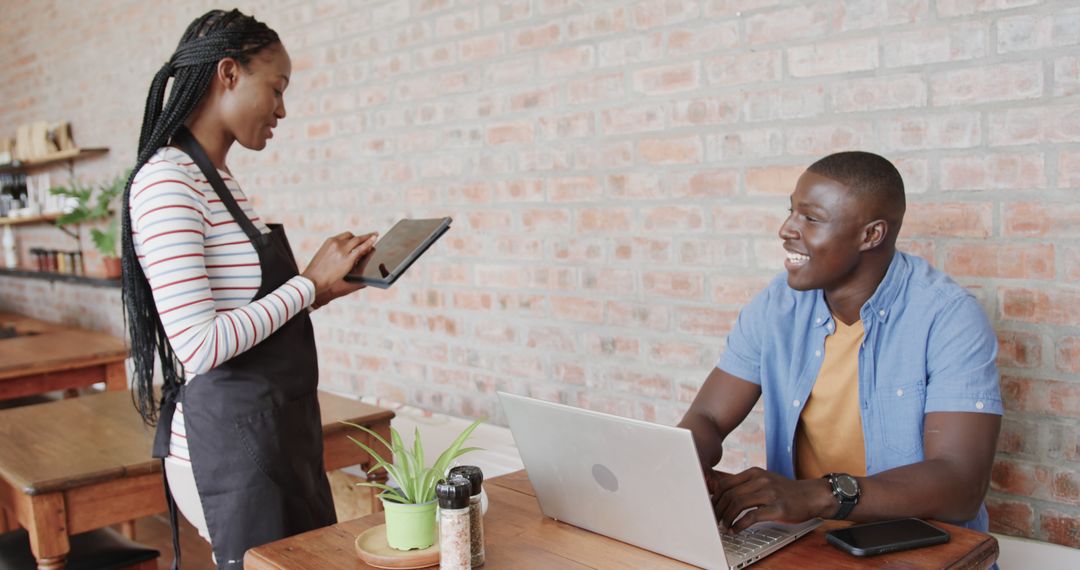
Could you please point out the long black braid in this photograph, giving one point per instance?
(209, 39)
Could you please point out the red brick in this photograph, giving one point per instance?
(714, 253)
(1060, 398)
(607, 345)
(881, 14)
(667, 79)
(955, 42)
(877, 93)
(604, 156)
(1018, 437)
(566, 126)
(546, 220)
(575, 189)
(1019, 349)
(1067, 357)
(1015, 261)
(1042, 220)
(750, 220)
(652, 14)
(1010, 517)
(705, 184)
(799, 22)
(1034, 125)
(1014, 478)
(675, 353)
(512, 133)
(745, 144)
(568, 60)
(948, 220)
(638, 315)
(748, 67)
(821, 140)
(1066, 76)
(579, 249)
(922, 248)
(708, 39)
(673, 218)
(481, 48)
(773, 179)
(785, 103)
(827, 58)
(489, 220)
(718, 109)
(595, 24)
(1024, 32)
(632, 50)
(674, 285)
(646, 385)
(643, 250)
(953, 8)
(532, 99)
(1047, 305)
(1012, 81)
(610, 281)
(737, 291)
(705, 321)
(604, 220)
(960, 130)
(552, 278)
(1071, 256)
(540, 36)
(684, 150)
(993, 172)
(1069, 169)
(1060, 528)
(632, 119)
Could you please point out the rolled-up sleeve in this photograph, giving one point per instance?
(962, 374)
(742, 357)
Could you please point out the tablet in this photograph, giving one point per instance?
(396, 251)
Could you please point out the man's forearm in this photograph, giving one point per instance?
(707, 438)
(936, 488)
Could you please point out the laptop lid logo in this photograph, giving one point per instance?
(605, 478)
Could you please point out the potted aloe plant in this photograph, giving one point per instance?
(410, 507)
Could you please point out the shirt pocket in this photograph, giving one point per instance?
(900, 417)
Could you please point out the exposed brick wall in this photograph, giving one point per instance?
(617, 172)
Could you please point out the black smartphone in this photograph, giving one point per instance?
(886, 536)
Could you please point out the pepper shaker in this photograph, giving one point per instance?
(476, 515)
(453, 495)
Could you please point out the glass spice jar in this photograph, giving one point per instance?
(476, 515)
(453, 495)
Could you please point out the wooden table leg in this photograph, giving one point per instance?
(48, 531)
(116, 376)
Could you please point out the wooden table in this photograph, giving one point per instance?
(84, 463)
(518, 536)
(47, 357)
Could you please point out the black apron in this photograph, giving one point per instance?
(254, 429)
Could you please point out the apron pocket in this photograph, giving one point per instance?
(285, 442)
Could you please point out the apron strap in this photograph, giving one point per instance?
(173, 522)
(187, 142)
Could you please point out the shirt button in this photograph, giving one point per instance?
(819, 320)
(900, 392)
(796, 404)
(817, 353)
(881, 312)
(979, 405)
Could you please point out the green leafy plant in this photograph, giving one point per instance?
(417, 483)
(92, 204)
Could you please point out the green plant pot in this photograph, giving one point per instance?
(409, 527)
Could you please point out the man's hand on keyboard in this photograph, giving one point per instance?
(770, 497)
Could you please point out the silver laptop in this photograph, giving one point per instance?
(634, 481)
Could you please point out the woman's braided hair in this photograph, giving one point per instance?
(209, 39)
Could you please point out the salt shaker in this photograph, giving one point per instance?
(453, 495)
(476, 516)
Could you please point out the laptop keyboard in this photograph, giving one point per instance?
(751, 541)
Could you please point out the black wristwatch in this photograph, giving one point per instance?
(847, 492)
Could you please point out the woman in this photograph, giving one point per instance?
(216, 294)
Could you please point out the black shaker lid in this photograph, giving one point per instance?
(473, 474)
(453, 493)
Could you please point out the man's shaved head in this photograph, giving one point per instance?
(873, 179)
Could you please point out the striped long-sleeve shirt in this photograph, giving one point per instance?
(202, 268)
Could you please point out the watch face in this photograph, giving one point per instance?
(847, 485)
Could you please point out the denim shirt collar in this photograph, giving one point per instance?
(878, 305)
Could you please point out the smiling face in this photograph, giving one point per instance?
(253, 99)
(824, 235)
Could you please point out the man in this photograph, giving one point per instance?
(877, 371)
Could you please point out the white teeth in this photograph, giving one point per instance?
(797, 257)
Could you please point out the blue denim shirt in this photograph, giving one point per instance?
(927, 347)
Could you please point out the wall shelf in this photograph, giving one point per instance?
(30, 220)
(60, 277)
(52, 159)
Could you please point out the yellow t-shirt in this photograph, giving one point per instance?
(829, 437)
